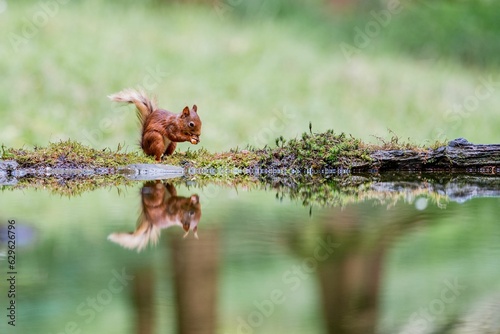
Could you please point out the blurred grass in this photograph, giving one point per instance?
(255, 72)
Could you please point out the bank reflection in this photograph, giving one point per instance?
(349, 258)
(195, 276)
(349, 282)
(194, 271)
(161, 208)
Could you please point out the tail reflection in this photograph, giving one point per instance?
(161, 209)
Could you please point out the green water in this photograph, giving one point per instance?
(259, 265)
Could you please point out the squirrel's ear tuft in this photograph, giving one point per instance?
(195, 108)
(185, 111)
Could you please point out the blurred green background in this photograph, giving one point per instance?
(426, 70)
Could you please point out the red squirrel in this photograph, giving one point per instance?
(161, 129)
(161, 209)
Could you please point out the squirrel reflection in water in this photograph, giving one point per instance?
(161, 209)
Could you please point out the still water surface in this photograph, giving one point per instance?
(162, 258)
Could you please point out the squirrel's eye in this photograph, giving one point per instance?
(191, 124)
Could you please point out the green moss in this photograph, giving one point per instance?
(70, 154)
(317, 151)
(202, 159)
(311, 150)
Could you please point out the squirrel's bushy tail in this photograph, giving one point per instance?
(145, 105)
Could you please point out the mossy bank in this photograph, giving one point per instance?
(311, 152)
(335, 167)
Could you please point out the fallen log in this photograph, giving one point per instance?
(458, 156)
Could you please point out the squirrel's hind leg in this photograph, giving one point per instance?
(152, 144)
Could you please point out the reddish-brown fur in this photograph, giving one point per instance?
(161, 209)
(161, 206)
(162, 129)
